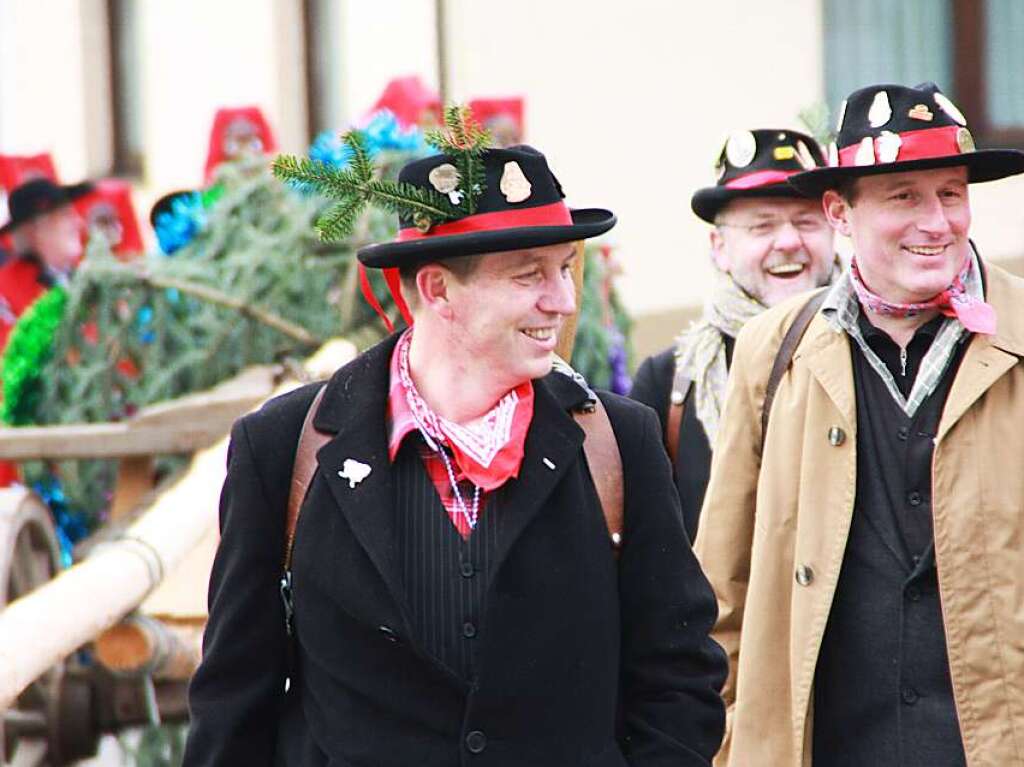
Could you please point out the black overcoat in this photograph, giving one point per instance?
(582, 660)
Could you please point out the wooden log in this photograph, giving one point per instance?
(95, 594)
(567, 335)
(179, 426)
(144, 646)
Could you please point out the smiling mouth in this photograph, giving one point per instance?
(785, 270)
(539, 334)
(925, 250)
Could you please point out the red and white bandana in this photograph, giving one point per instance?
(487, 451)
(955, 301)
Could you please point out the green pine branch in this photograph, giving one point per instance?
(465, 141)
(356, 186)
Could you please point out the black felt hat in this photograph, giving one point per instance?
(520, 206)
(757, 163)
(37, 198)
(893, 129)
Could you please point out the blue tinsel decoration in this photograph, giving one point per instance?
(382, 133)
(71, 525)
(177, 227)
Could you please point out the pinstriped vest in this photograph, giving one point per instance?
(445, 577)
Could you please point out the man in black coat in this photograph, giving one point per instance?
(768, 242)
(455, 598)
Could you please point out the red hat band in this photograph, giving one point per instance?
(926, 144)
(760, 178)
(553, 214)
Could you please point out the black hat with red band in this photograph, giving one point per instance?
(893, 129)
(520, 206)
(757, 163)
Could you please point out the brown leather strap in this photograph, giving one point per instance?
(599, 444)
(602, 451)
(310, 441)
(674, 422)
(786, 351)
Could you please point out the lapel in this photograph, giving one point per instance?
(988, 358)
(827, 355)
(554, 439)
(354, 408)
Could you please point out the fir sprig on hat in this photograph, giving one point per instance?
(358, 184)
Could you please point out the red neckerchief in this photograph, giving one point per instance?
(487, 452)
(975, 315)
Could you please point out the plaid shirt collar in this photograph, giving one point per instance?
(841, 308)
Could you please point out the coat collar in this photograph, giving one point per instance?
(353, 409)
(827, 353)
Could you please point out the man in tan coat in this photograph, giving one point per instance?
(868, 550)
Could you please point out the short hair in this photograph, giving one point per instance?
(847, 189)
(460, 266)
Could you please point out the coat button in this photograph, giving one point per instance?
(468, 630)
(466, 569)
(804, 575)
(677, 397)
(909, 695)
(913, 593)
(902, 433)
(914, 498)
(836, 436)
(476, 742)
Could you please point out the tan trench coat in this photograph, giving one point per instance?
(762, 522)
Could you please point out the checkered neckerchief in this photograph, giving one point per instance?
(841, 309)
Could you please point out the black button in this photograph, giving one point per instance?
(913, 593)
(466, 569)
(468, 630)
(903, 433)
(476, 742)
(388, 633)
(909, 695)
(914, 498)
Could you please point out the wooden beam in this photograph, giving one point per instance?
(141, 645)
(184, 425)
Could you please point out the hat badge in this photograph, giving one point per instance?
(804, 156)
(888, 144)
(514, 184)
(950, 109)
(964, 141)
(740, 148)
(920, 112)
(880, 112)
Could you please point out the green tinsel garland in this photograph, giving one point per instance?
(28, 350)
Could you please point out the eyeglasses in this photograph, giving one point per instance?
(770, 227)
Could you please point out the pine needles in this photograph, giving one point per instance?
(358, 185)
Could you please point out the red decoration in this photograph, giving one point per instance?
(109, 207)
(914, 145)
(411, 102)
(237, 132)
(555, 214)
(503, 118)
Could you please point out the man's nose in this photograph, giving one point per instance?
(787, 238)
(934, 219)
(560, 298)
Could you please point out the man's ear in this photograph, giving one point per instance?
(837, 211)
(432, 283)
(719, 256)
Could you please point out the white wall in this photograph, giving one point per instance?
(53, 94)
(631, 101)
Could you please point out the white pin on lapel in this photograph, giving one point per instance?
(354, 471)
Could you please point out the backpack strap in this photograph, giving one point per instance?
(310, 442)
(676, 405)
(786, 351)
(605, 462)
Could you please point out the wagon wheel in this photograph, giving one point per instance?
(29, 557)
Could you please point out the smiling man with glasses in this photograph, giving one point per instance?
(768, 243)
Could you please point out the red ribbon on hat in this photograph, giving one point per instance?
(393, 279)
(925, 144)
(554, 214)
(760, 178)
